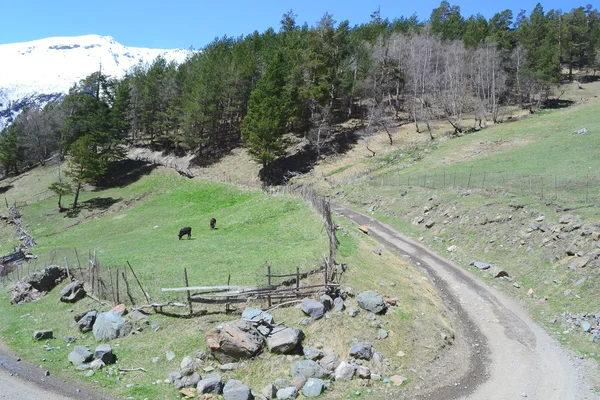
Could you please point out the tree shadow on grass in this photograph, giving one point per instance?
(557, 103)
(95, 204)
(123, 173)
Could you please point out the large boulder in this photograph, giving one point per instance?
(284, 339)
(313, 308)
(37, 284)
(236, 390)
(85, 322)
(307, 368)
(233, 340)
(109, 326)
(371, 301)
(73, 292)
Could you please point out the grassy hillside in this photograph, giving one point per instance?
(139, 222)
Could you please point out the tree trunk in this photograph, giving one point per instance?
(76, 195)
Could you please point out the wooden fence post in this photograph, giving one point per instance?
(189, 297)
(269, 282)
(297, 281)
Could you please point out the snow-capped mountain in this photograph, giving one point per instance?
(43, 70)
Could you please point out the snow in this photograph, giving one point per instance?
(53, 65)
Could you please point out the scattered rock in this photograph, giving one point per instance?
(212, 383)
(429, 224)
(104, 352)
(580, 262)
(581, 131)
(97, 364)
(586, 326)
(313, 387)
(349, 292)
(38, 284)
(80, 355)
(187, 363)
(43, 334)
(327, 302)
(312, 354)
(382, 334)
(86, 322)
(169, 355)
(530, 292)
(229, 367)
(257, 315)
(187, 381)
(481, 265)
(329, 362)
(231, 341)
(236, 390)
(566, 219)
(344, 372)
(371, 301)
(287, 393)
(390, 301)
(338, 304)
(397, 380)
(298, 382)
(498, 272)
(73, 292)
(579, 282)
(284, 339)
(363, 372)
(452, 248)
(119, 309)
(109, 326)
(313, 308)
(352, 312)
(363, 229)
(269, 391)
(362, 350)
(307, 368)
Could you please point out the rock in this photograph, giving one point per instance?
(233, 340)
(299, 381)
(104, 352)
(187, 381)
(498, 272)
(595, 338)
(169, 355)
(284, 339)
(566, 219)
(327, 302)
(282, 383)
(585, 326)
(580, 262)
(109, 326)
(37, 284)
(481, 265)
(530, 292)
(43, 334)
(287, 393)
(344, 372)
(352, 312)
(236, 390)
(338, 304)
(86, 322)
(313, 308)
(174, 376)
(349, 292)
(375, 377)
(371, 301)
(313, 388)
(80, 355)
(382, 334)
(452, 248)
(312, 354)
(329, 362)
(363, 372)
(580, 282)
(97, 364)
(139, 318)
(595, 236)
(187, 363)
(212, 383)
(429, 224)
(73, 292)
(397, 380)
(307, 368)
(269, 391)
(229, 367)
(363, 229)
(516, 284)
(390, 302)
(257, 315)
(362, 350)
(23, 292)
(119, 309)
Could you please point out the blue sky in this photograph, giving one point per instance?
(181, 24)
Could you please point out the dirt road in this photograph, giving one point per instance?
(499, 352)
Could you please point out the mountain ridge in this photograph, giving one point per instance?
(43, 70)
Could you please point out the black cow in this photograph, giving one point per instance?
(213, 223)
(185, 231)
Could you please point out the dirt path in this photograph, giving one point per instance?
(23, 380)
(499, 353)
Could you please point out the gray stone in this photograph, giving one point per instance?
(236, 390)
(349, 292)
(97, 364)
(212, 383)
(344, 372)
(312, 354)
(284, 339)
(498, 272)
(338, 304)
(187, 381)
(104, 352)
(38, 284)
(281, 383)
(313, 308)
(585, 326)
(330, 362)
(382, 334)
(287, 393)
(169, 355)
(187, 362)
(566, 219)
(109, 326)
(298, 382)
(43, 334)
(86, 322)
(595, 338)
(429, 224)
(80, 355)
(481, 265)
(307, 368)
(229, 367)
(270, 391)
(362, 350)
(313, 387)
(73, 292)
(363, 372)
(233, 340)
(371, 301)
(352, 312)
(174, 376)
(327, 302)
(256, 315)
(579, 282)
